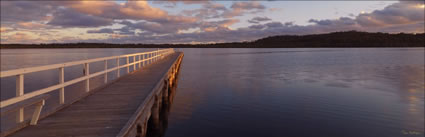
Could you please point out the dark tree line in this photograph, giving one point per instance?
(336, 39)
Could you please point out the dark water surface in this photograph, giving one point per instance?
(283, 92)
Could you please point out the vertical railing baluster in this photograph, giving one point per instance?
(106, 74)
(128, 67)
(87, 72)
(140, 63)
(118, 66)
(20, 92)
(134, 63)
(143, 59)
(61, 81)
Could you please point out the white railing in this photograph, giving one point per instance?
(143, 59)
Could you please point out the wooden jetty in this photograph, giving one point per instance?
(125, 107)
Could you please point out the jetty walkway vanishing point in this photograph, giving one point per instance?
(124, 107)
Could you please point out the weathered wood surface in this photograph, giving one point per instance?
(106, 111)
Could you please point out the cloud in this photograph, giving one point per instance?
(5, 29)
(99, 13)
(142, 23)
(340, 21)
(71, 18)
(240, 8)
(218, 25)
(135, 10)
(141, 10)
(208, 11)
(165, 27)
(173, 3)
(184, 2)
(393, 18)
(31, 25)
(104, 30)
(19, 37)
(247, 5)
(404, 12)
(23, 11)
(257, 20)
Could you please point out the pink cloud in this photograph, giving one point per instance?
(5, 29)
(31, 25)
(136, 10)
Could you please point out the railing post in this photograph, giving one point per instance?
(143, 58)
(140, 63)
(20, 92)
(106, 74)
(87, 72)
(61, 81)
(118, 66)
(128, 67)
(134, 63)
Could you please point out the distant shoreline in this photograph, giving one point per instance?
(349, 39)
(408, 45)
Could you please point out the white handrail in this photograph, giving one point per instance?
(20, 96)
(14, 72)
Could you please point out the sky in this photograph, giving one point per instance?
(172, 21)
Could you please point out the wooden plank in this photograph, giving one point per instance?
(106, 111)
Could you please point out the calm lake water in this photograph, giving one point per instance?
(356, 92)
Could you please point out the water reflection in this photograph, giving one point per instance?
(332, 92)
(158, 129)
(295, 92)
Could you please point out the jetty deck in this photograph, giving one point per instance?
(114, 110)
